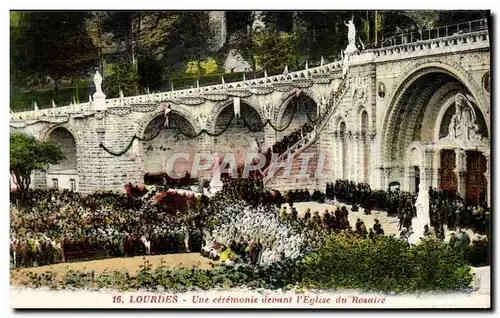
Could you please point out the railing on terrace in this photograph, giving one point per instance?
(435, 33)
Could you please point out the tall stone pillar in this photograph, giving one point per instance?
(461, 171)
(357, 162)
(427, 166)
(387, 174)
(362, 158)
(436, 180)
(487, 175)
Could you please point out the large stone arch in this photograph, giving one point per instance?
(220, 107)
(307, 110)
(238, 138)
(287, 98)
(146, 120)
(65, 174)
(413, 73)
(175, 139)
(65, 139)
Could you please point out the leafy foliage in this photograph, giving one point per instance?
(28, 154)
(123, 77)
(273, 51)
(54, 44)
(386, 264)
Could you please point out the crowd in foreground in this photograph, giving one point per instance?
(62, 226)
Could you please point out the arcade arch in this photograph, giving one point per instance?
(421, 113)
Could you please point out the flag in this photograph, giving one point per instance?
(236, 103)
(297, 91)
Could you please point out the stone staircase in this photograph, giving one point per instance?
(305, 145)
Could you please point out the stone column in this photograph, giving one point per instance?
(269, 137)
(351, 156)
(408, 179)
(426, 170)
(461, 171)
(487, 175)
(336, 156)
(362, 157)
(436, 172)
(357, 167)
(387, 174)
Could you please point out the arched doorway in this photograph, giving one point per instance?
(297, 112)
(175, 139)
(65, 174)
(238, 135)
(422, 111)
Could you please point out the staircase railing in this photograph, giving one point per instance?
(334, 99)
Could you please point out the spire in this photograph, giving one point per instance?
(121, 94)
(285, 71)
(53, 104)
(322, 61)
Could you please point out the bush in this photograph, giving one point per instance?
(347, 261)
(478, 253)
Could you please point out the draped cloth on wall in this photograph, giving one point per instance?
(237, 103)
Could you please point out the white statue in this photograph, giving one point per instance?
(463, 122)
(422, 219)
(351, 33)
(98, 82)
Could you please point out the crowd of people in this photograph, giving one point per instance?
(446, 209)
(240, 232)
(59, 226)
(289, 140)
(241, 223)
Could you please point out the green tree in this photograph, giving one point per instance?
(124, 77)
(27, 154)
(273, 51)
(54, 44)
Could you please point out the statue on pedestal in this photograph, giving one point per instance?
(423, 219)
(351, 37)
(216, 183)
(98, 82)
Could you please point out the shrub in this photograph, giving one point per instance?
(347, 261)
